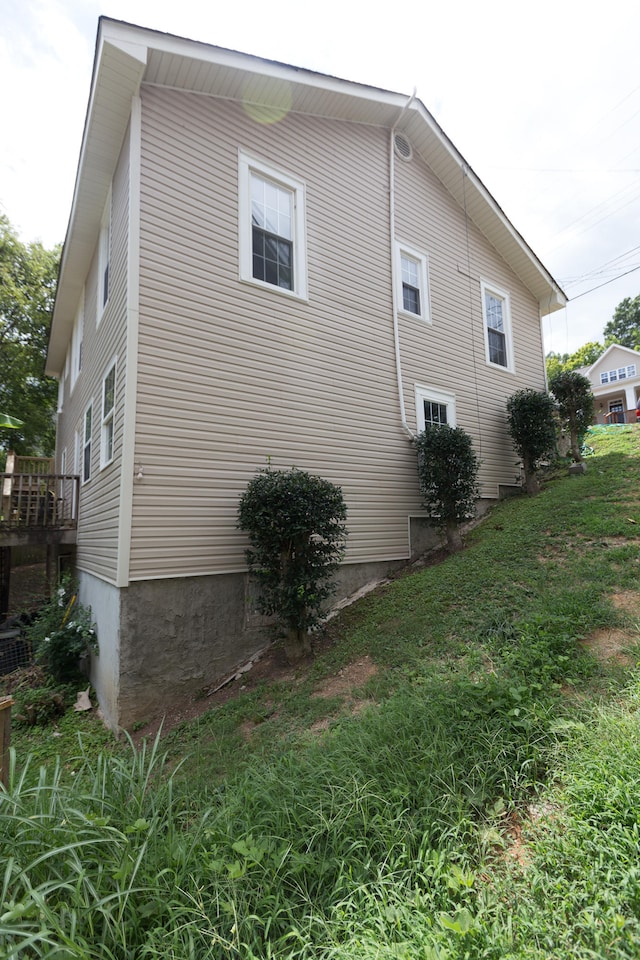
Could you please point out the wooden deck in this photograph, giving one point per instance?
(37, 505)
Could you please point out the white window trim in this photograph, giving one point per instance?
(107, 420)
(503, 295)
(60, 393)
(435, 396)
(77, 339)
(84, 443)
(247, 166)
(422, 262)
(104, 260)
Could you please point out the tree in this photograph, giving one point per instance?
(297, 532)
(624, 327)
(448, 473)
(584, 356)
(532, 426)
(28, 275)
(575, 403)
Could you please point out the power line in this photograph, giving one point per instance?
(606, 282)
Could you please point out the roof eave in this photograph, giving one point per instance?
(126, 55)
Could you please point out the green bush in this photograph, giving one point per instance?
(63, 634)
(575, 403)
(532, 426)
(448, 473)
(39, 706)
(296, 527)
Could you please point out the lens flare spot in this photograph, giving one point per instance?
(267, 100)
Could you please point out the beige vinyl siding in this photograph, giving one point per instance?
(449, 354)
(231, 375)
(99, 498)
(614, 360)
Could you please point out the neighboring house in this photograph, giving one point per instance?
(264, 265)
(615, 382)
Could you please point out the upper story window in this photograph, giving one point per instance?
(412, 283)
(272, 228)
(61, 393)
(434, 407)
(77, 342)
(496, 309)
(108, 408)
(622, 373)
(104, 259)
(86, 443)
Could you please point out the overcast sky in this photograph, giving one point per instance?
(542, 99)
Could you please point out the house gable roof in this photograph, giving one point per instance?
(127, 55)
(602, 359)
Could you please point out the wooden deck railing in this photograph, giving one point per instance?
(621, 416)
(38, 500)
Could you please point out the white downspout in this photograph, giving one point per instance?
(394, 279)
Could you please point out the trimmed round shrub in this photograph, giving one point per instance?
(573, 393)
(448, 473)
(531, 415)
(297, 531)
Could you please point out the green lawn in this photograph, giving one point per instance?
(474, 792)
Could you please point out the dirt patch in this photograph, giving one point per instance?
(628, 601)
(351, 677)
(610, 644)
(516, 848)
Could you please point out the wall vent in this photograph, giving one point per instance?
(402, 146)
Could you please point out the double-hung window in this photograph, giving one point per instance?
(104, 260)
(412, 283)
(496, 311)
(86, 443)
(434, 407)
(108, 408)
(272, 228)
(77, 342)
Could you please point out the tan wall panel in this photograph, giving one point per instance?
(232, 376)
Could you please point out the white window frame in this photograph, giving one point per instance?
(104, 261)
(619, 373)
(434, 395)
(60, 393)
(77, 339)
(249, 166)
(107, 422)
(86, 444)
(402, 250)
(504, 297)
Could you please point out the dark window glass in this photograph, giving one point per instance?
(411, 298)
(272, 259)
(434, 412)
(497, 347)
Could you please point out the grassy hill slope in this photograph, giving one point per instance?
(456, 775)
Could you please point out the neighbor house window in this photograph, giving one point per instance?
(412, 282)
(108, 407)
(86, 443)
(496, 311)
(104, 260)
(272, 228)
(434, 407)
(621, 373)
